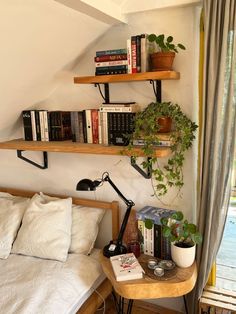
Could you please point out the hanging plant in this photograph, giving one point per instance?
(147, 127)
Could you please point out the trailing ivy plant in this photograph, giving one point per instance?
(146, 127)
(165, 44)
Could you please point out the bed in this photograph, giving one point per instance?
(33, 279)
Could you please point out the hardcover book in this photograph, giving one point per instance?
(111, 52)
(110, 57)
(27, 124)
(126, 267)
(153, 213)
(60, 125)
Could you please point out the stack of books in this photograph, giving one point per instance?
(138, 51)
(111, 62)
(153, 242)
(126, 267)
(164, 140)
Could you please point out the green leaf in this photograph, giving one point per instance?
(148, 223)
(152, 37)
(181, 46)
(169, 39)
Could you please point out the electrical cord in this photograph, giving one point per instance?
(103, 300)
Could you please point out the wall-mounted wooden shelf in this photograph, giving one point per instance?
(119, 78)
(72, 147)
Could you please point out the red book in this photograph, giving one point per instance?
(133, 54)
(94, 119)
(110, 58)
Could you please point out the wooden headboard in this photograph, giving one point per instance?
(113, 206)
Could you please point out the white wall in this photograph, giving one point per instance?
(32, 59)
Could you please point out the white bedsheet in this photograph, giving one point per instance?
(31, 285)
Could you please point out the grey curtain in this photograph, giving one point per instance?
(217, 134)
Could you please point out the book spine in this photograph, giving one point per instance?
(84, 126)
(151, 240)
(41, 121)
(111, 52)
(166, 253)
(26, 116)
(46, 126)
(33, 123)
(104, 128)
(158, 144)
(141, 235)
(72, 120)
(99, 128)
(95, 131)
(110, 72)
(80, 136)
(37, 122)
(144, 53)
(117, 109)
(138, 53)
(89, 126)
(158, 241)
(111, 58)
(133, 54)
(129, 56)
(110, 63)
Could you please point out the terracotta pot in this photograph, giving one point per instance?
(162, 61)
(165, 124)
(183, 257)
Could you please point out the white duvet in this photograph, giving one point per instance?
(36, 286)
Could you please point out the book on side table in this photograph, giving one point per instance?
(126, 267)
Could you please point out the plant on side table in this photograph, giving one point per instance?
(163, 60)
(184, 236)
(147, 127)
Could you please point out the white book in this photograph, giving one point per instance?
(104, 128)
(41, 121)
(46, 128)
(89, 126)
(33, 124)
(114, 108)
(126, 267)
(129, 56)
(111, 63)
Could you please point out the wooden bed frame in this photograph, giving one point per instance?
(105, 288)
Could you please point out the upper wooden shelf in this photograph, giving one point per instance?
(73, 147)
(160, 75)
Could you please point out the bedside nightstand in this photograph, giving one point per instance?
(182, 282)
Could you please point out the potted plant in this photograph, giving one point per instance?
(163, 60)
(183, 237)
(147, 127)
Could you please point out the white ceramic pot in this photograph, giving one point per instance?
(183, 257)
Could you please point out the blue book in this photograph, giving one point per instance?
(153, 213)
(111, 52)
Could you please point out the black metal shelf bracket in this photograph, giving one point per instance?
(156, 89)
(146, 174)
(45, 160)
(106, 95)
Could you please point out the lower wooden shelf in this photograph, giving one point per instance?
(73, 147)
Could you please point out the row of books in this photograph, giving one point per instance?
(110, 124)
(153, 242)
(133, 59)
(214, 310)
(41, 125)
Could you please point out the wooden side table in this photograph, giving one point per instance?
(148, 288)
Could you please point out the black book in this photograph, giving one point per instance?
(37, 124)
(60, 126)
(138, 53)
(27, 124)
(158, 241)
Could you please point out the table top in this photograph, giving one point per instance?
(179, 284)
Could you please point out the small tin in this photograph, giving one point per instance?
(152, 263)
(158, 271)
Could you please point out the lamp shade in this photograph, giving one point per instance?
(87, 185)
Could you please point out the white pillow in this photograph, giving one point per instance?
(12, 209)
(85, 224)
(46, 228)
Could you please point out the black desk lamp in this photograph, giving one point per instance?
(114, 247)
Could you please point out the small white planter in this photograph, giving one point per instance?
(183, 257)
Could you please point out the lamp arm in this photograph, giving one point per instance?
(127, 202)
(129, 205)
